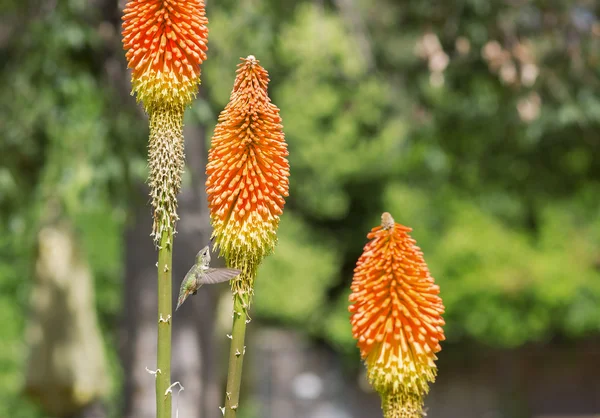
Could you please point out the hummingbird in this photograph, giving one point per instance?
(200, 274)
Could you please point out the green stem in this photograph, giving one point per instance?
(163, 378)
(236, 356)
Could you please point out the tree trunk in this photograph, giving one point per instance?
(66, 371)
(193, 323)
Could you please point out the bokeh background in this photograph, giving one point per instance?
(475, 122)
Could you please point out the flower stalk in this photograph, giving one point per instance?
(165, 43)
(236, 356)
(163, 355)
(396, 317)
(247, 182)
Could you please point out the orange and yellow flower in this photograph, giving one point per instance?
(247, 171)
(396, 317)
(166, 41)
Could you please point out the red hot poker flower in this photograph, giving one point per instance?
(247, 182)
(166, 41)
(247, 170)
(396, 316)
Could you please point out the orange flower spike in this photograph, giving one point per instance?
(247, 170)
(166, 41)
(396, 317)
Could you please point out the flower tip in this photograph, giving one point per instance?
(250, 61)
(387, 221)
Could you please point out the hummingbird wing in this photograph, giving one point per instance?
(218, 275)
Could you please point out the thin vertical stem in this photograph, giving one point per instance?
(163, 378)
(236, 356)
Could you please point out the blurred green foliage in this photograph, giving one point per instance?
(66, 151)
(474, 122)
